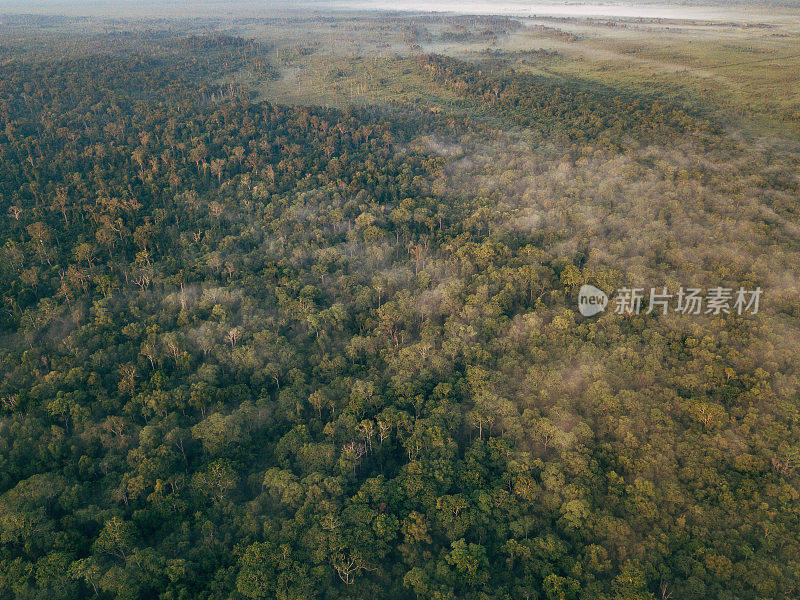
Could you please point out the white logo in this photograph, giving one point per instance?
(591, 300)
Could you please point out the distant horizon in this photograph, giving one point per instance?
(253, 8)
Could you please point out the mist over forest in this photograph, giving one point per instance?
(292, 300)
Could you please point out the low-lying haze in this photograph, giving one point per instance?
(241, 8)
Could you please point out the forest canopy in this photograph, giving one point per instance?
(259, 349)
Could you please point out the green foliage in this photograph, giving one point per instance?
(263, 351)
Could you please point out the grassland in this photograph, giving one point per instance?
(745, 72)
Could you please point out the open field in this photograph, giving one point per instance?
(749, 74)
